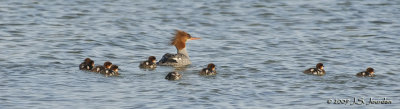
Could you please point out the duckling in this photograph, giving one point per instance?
(210, 70)
(87, 64)
(173, 76)
(318, 70)
(113, 71)
(99, 68)
(150, 63)
(367, 73)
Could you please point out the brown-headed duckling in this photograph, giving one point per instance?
(210, 70)
(99, 68)
(150, 63)
(87, 64)
(367, 73)
(318, 70)
(173, 76)
(113, 71)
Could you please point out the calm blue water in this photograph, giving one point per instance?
(260, 48)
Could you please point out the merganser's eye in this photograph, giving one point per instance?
(189, 36)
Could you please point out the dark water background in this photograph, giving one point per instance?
(260, 48)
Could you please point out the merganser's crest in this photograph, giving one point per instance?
(180, 39)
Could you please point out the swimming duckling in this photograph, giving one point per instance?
(113, 71)
(87, 64)
(210, 70)
(99, 68)
(84, 63)
(150, 63)
(318, 70)
(173, 76)
(367, 73)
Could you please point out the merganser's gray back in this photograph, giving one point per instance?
(179, 59)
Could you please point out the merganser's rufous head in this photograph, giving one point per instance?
(320, 66)
(179, 41)
(211, 66)
(107, 64)
(152, 59)
(370, 71)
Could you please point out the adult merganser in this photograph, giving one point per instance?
(113, 71)
(173, 76)
(318, 70)
(210, 70)
(150, 63)
(369, 73)
(87, 64)
(182, 57)
(99, 68)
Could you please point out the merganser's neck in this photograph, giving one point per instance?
(183, 51)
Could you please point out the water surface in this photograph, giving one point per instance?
(260, 48)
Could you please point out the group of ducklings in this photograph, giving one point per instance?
(319, 70)
(151, 63)
(108, 69)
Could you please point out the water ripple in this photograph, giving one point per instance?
(260, 49)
